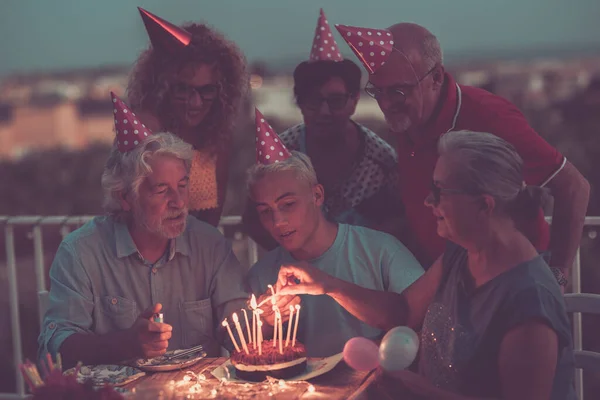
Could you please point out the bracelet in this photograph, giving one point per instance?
(560, 277)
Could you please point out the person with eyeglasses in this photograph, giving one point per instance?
(190, 82)
(356, 167)
(421, 102)
(491, 316)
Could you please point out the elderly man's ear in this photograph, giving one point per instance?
(438, 76)
(125, 200)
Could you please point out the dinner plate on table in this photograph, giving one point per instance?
(99, 375)
(162, 363)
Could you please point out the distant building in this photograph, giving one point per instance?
(71, 109)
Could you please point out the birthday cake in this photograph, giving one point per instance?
(255, 358)
(256, 367)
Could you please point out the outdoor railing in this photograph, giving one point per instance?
(67, 222)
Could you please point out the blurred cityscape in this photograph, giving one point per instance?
(71, 109)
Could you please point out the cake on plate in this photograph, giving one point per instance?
(255, 368)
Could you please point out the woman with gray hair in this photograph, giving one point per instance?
(491, 314)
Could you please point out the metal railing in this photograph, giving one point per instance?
(66, 222)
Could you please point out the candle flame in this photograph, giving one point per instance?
(253, 303)
(225, 323)
(291, 308)
(235, 318)
(297, 306)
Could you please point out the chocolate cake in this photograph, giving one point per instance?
(255, 368)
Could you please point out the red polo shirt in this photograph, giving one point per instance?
(468, 108)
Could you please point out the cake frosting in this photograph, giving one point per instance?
(254, 367)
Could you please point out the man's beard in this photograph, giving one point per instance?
(398, 125)
(158, 227)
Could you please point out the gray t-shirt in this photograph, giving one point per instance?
(464, 326)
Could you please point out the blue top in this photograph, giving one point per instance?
(368, 258)
(464, 326)
(100, 283)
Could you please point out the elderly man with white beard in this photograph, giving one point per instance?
(147, 256)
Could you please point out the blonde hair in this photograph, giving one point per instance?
(298, 162)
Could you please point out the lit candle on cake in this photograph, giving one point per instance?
(296, 326)
(253, 305)
(236, 321)
(290, 323)
(272, 298)
(226, 324)
(247, 326)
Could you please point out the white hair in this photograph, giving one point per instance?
(431, 52)
(483, 163)
(298, 162)
(125, 172)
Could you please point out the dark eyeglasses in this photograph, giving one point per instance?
(183, 91)
(397, 93)
(436, 192)
(335, 102)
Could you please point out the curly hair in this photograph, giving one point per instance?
(154, 71)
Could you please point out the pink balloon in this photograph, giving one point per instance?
(361, 354)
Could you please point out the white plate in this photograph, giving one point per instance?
(314, 368)
(159, 364)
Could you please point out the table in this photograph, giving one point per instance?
(340, 383)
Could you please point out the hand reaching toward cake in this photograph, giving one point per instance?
(282, 302)
(302, 278)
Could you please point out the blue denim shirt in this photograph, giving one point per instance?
(100, 284)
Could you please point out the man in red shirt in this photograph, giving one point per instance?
(421, 102)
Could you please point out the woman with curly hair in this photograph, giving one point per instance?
(190, 82)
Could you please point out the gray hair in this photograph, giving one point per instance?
(431, 51)
(299, 163)
(487, 164)
(417, 38)
(125, 172)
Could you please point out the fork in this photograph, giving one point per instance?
(189, 351)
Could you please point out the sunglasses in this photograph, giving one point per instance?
(335, 102)
(397, 93)
(182, 91)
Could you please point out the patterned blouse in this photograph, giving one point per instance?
(369, 194)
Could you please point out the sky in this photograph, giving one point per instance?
(39, 35)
